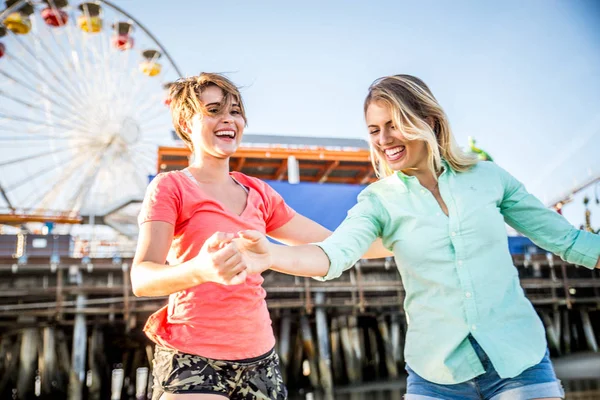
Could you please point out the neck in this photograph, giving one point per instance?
(426, 178)
(210, 169)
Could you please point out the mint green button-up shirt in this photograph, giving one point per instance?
(457, 270)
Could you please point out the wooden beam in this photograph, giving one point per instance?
(284, 153)
(240, 163)
(281, 171)
(322, 176)
(21, 218)
(365, 176)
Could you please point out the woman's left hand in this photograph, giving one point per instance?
(255, 250)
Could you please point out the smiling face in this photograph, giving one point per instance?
(217, 131)
(388, 141)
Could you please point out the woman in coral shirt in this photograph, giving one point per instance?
(214, 338)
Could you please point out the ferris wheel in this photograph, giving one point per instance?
(82, 109)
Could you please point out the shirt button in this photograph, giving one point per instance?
(453, 233)
(460, 262)
(474, 327)
(423, 191)
(468, 295)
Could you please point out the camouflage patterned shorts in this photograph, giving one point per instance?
(253, 379)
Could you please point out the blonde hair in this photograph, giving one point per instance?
(413, 109)
(184, 96)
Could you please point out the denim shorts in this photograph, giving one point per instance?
(536, 382)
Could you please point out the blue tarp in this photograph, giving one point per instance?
(328, 203)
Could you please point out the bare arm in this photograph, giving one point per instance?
(260, 255)
(218, 261)
(301, 230)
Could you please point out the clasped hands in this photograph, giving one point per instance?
(228, 258)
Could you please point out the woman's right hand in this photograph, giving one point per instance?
(219, 261)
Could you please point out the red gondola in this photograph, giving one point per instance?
(122, 39)
(54, 17)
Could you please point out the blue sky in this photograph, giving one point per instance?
(522, 77)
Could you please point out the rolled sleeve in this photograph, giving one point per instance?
(585, 250)
(354, 236)
(545, 227)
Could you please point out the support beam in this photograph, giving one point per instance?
(309, 351)
(77, 373)
(324, 174)
(323, 343)
(366, 176)
(284, 343)
(281, 171)
(390, 363)
(27, 362)
(48, 367)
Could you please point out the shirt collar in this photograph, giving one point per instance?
(445, 167)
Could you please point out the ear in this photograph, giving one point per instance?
(183, 124)
(433, 124)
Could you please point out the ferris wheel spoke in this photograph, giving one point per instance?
(149, 104)
(64, 80)
(37, 122)
(34, 74)
(76, 84)
(6, 198)
(45, 199)
(40, 60)
(73, 59)
(135, 160)
(66, 181)
(52, 111)
(38, 93)
(41, 172)
(35, 156)
(79, 196)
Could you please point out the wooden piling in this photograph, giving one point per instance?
(28, 357)
(48, 362)
(357, 341)
(372, 355)
(588, 331)
(78, 355)
(397, 339)
(323, 343)
(390, 362)
(336, 356)
(351, 362)
(309, 351)
(284, 343)
(95, 363)
(566, 332)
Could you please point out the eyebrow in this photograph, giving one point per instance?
(375, 126)
(218, 104)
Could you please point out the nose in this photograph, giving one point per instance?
(384, 137)
(227, 118)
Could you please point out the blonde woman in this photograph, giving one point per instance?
(472, 333)
(214, 338)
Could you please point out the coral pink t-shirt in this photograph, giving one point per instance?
(212, 320)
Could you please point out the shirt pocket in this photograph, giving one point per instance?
(481, 219)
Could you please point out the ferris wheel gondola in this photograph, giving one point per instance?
(82, 109)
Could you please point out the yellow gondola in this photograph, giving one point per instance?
(89, 24)
(150, 68)
(89, 21)
(18, 23)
